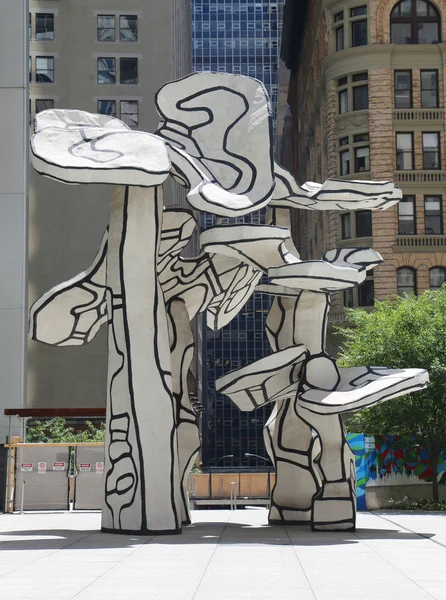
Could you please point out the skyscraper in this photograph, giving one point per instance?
(240, 37)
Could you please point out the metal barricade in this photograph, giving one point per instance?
(89, 477)
(42, 477)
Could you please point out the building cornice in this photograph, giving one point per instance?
(383, 56)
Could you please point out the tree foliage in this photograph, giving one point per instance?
(56, 431)
(407, 332)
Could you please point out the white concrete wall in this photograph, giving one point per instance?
(13, 204)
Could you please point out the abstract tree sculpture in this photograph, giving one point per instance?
(214, 139)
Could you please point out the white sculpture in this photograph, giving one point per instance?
(215, 139)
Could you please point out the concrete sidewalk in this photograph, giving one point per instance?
(223, 556)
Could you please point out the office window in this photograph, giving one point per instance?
(339, 16)
(339, 38)
(107, 107)
(404, 151)
(346, 226)
(366, 292)
(30, 68)
(44, 26)
(431, 150)
(406, 281)
(429, 89)
(360, 137)
(406, 216)
(433, 215)
(362, 159)
(30, 26)
(44, 105)
(415, 22)
(343, 102)
(359, 27)
(403, 89)
(361, 97)
(349, 301)
(345, 162)
(128, 70)
(130, 112)
(437, 276)
(363, 223)
(106, 28)
(128, 28)
(44, 69)
(107, 70)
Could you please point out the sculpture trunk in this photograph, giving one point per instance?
(142, 492)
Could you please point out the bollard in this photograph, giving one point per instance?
(23, 497)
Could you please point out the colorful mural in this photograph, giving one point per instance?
(391, 459)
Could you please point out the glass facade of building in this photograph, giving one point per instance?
(241, 37)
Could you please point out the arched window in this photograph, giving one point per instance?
(415, 22)
(437, 276)
(407, 281)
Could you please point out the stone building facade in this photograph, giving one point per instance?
(367, 95)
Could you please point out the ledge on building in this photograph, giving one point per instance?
(417, 115)
(420, 243)
(357, 242)
(415, 177)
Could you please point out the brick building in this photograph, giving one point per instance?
(367, 97)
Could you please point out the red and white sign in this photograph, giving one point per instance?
(27, 467)
(41, 467)
(59, 466)
(99, 467)
(84, 467)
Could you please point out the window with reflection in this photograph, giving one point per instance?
(362, 159)
(359, 35)
(406, 281)
(107, 70)
(403, 89)
(44, 104)
(437, 276)
(106, 28)
(107, 107)
(429, 89)
(44, 26)
(431, 150)
(404, 151)
(346, 226)
(130, 112)
(361, 97)
(128, 28)
(415, 22)
(343, 102)
(406, 216)
(44, 69)
(433, 214)
(345, 162)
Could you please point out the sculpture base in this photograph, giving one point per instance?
(141, 531)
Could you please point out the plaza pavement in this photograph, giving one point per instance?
(223, 556)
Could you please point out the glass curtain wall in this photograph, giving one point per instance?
(240, 37)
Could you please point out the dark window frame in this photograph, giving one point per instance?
(414, 218)
(45, 17)
(343, 92)
(106, 58)
(414, 289)
(439, 216)
(395, 89)
(397, 133)
(109, 114)
(46, 100)
(346, 230)
(53, 70)
(356, 148)
(414, 20)
(340, 38)
(128, 101)
(437, 91)
(121, 29)
(356, 36)
(354, 101)
(437, 133)
(341, 153)
(128, 58)
(369, 232)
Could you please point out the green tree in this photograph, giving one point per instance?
(407, 332)
(56, 431)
